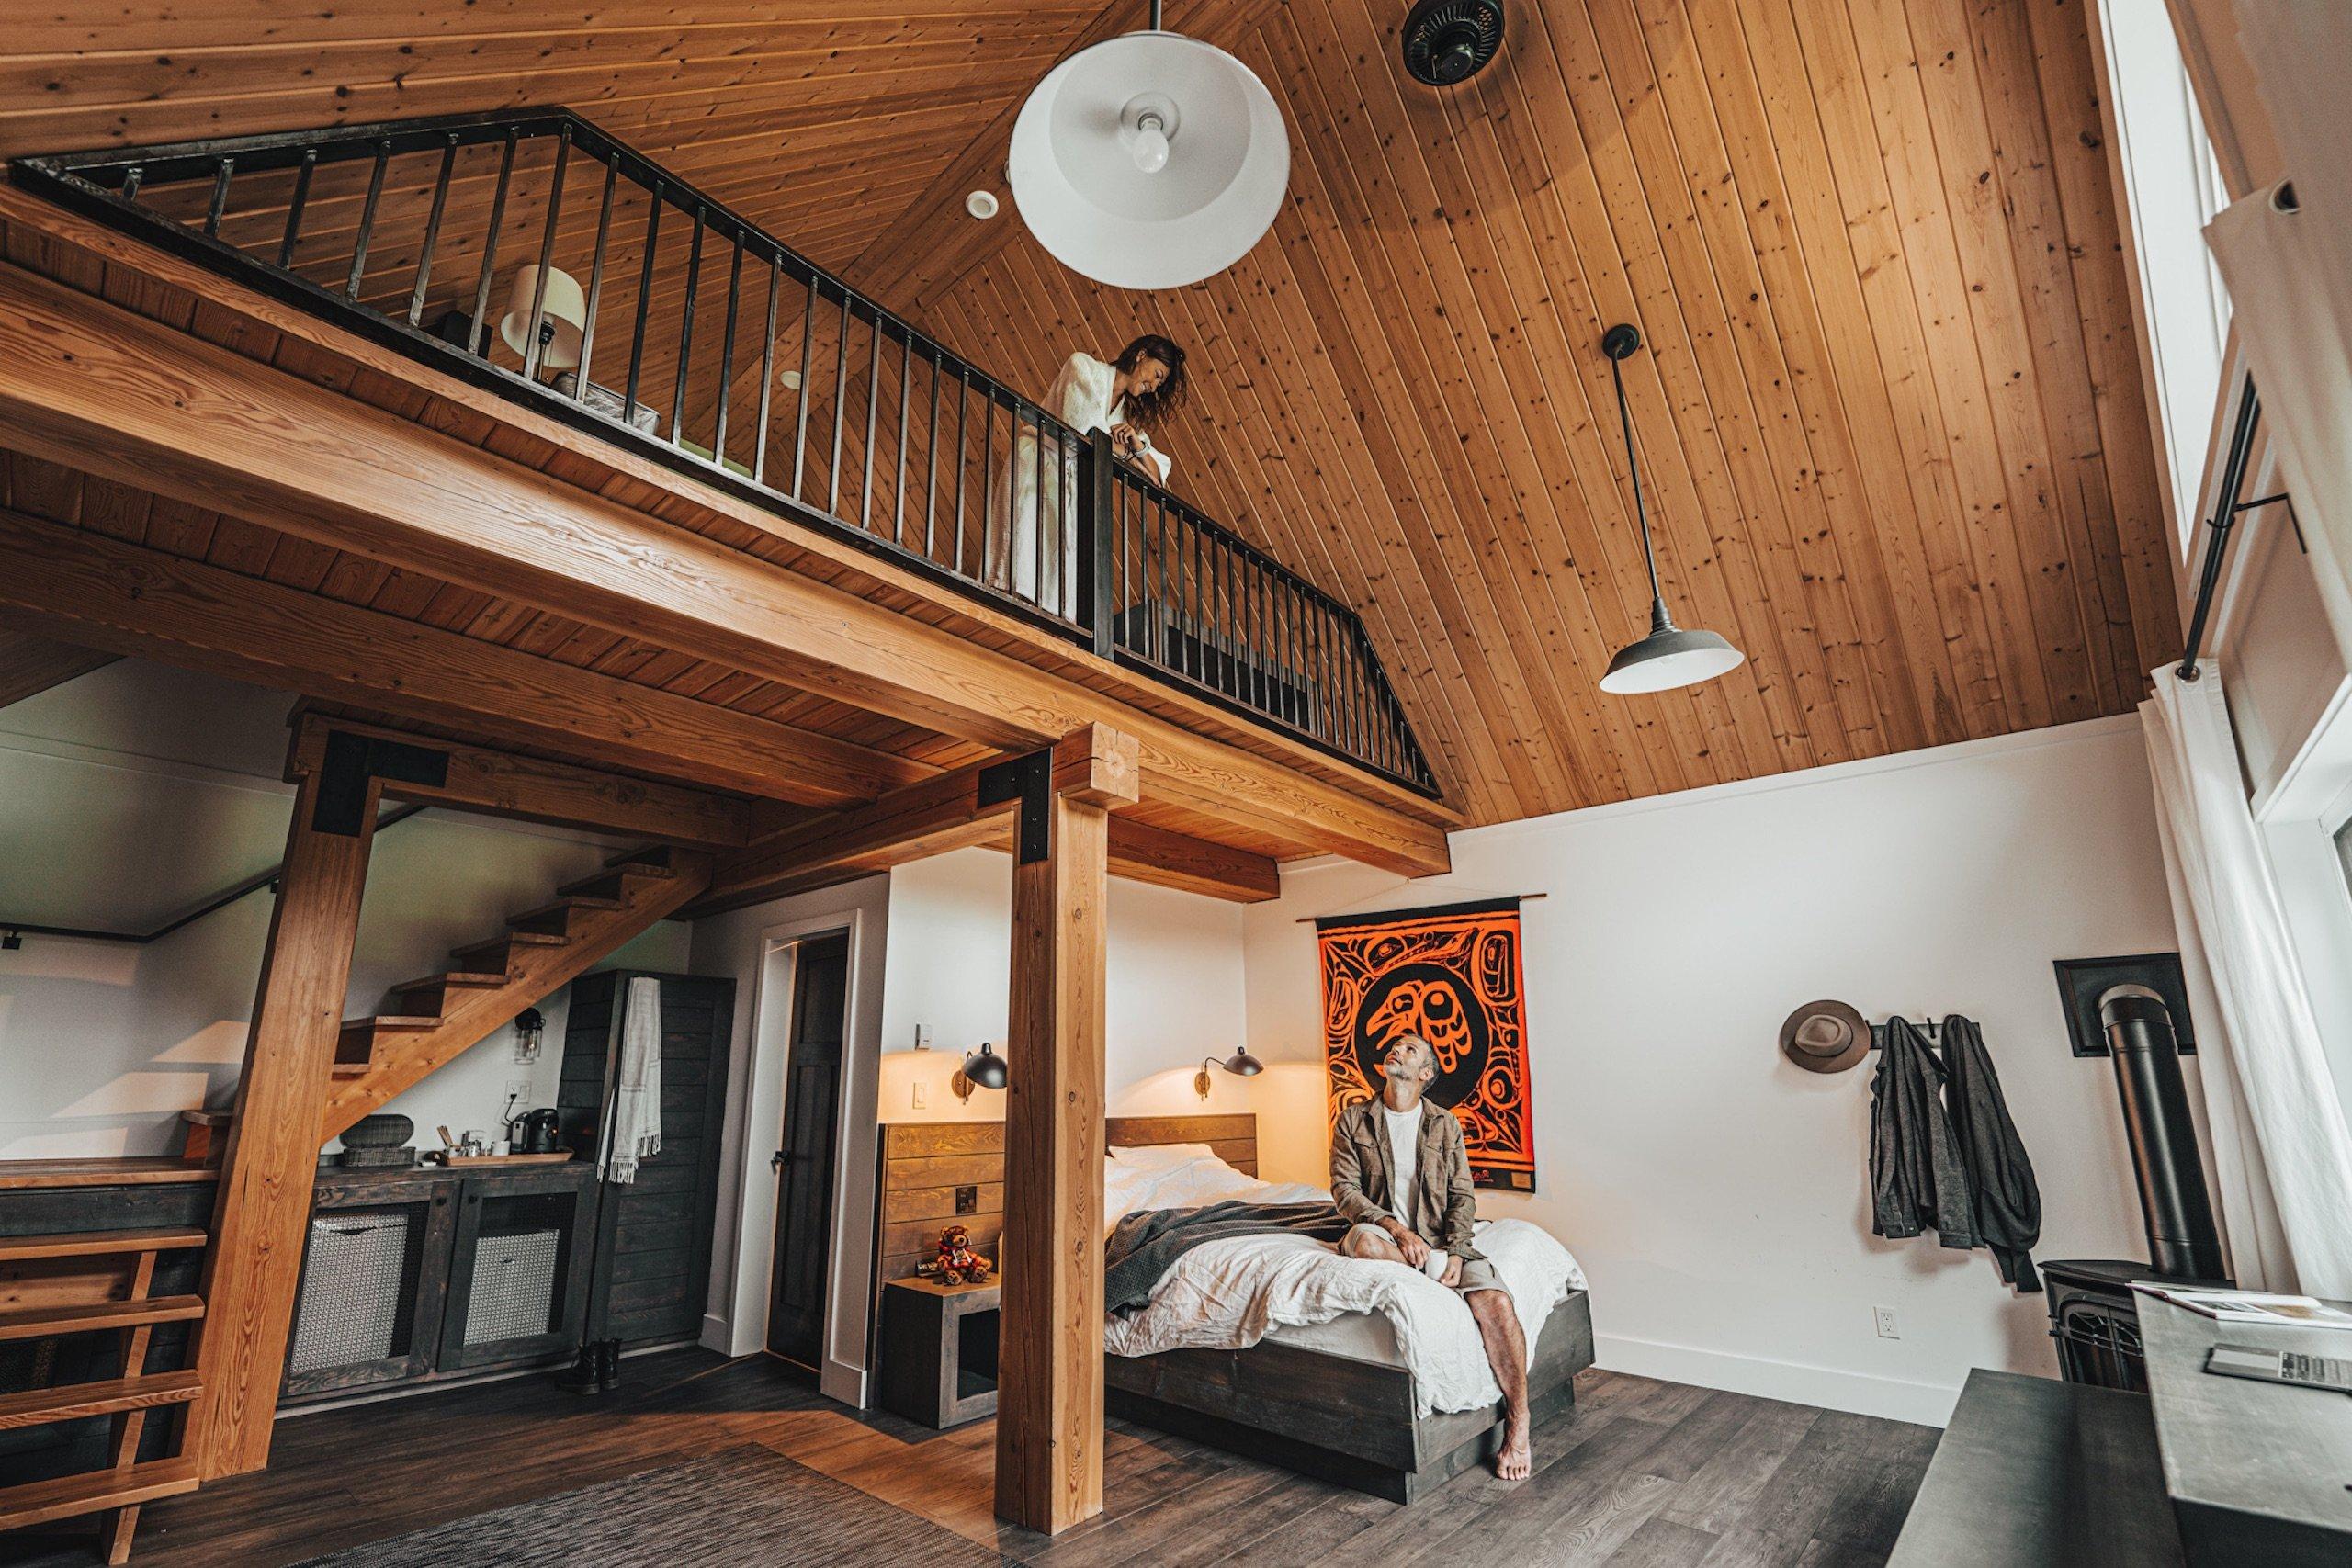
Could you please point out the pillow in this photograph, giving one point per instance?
(1160, 1156)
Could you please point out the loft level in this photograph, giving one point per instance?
(541, 259)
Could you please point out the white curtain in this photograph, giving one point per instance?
(2282, 1152)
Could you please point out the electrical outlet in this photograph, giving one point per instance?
(923, 1095)
(519, 1088)
(1887, 1327)
(968, 1199)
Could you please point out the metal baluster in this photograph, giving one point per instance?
(873, 406)
(686, 331)
(963, 397)
(294, 207)
(988, 461)
(221, 198)
(1037, 511)
(930, 468)
(906, 376)
(547, 257)
(767, 370)
(367, 218)
(489, 246)
(595, 286)
(1155, 634)
(800, 428)
(432, 226)
(644, 303)
(726, 352)
(841, 403)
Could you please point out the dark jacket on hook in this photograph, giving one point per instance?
(1944, 1153)
(2000, 1176)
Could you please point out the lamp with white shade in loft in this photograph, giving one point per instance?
(1149, 160)
(561, 310)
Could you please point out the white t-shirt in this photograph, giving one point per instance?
(1404, 1154)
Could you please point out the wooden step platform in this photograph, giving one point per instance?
(39, 1501)
(75, 1402)
(130, 1171)
(97, 1244)
(40, 1323)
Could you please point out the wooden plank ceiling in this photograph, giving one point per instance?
(1891, 419)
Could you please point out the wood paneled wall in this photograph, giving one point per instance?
(1890, 417)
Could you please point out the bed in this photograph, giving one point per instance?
(1338, 1398)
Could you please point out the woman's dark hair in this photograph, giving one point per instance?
(1148, 409)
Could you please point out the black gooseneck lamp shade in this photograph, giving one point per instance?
(1668, 657)
(982, 1068)
(1241, 1064)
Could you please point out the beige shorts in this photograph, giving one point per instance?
(1478, 1273)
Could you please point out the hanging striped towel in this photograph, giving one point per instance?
(636, 1085)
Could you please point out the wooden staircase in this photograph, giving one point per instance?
(436, 1018)
(119, 1491)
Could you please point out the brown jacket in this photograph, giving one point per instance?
(1442, 1208)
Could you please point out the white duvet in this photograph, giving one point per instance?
(1229, 1294)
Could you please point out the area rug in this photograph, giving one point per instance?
(746, 1507)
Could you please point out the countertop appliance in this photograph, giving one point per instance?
(535, 1133)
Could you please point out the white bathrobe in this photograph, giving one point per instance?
(1026, 489)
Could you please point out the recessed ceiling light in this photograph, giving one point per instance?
(981, 204)
(789, 380)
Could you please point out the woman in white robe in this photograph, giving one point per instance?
(1125, 397)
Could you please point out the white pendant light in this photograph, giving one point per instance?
(1149, 160)
(1668, 657)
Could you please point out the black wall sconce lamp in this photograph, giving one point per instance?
(982, 1068)
(1241, 1064)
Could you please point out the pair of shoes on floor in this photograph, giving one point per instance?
(598, 1370)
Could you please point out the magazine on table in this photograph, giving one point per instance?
(2253, 1306)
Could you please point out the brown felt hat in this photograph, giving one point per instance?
(1826, 1037)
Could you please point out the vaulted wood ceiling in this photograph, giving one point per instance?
(1891, 422)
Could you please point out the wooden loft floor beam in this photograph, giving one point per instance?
(1143, 853)
(109, 392)
(30, 665)
(108, 594)
(477, 778)
(262, 1210)
(1050, 1399)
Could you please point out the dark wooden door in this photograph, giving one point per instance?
(804, 1198)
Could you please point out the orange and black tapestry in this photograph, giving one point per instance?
(1451, 975)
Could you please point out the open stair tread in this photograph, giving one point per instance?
(454, 978)
(97, 1244)
(39, 1501)
(40, 1323)
(122, 1170)
(513, 939)
(566, 903)
(75, 1402)
(394, 1021)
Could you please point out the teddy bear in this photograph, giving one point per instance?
(956, 1264)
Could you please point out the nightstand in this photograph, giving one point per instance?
(939, 1350)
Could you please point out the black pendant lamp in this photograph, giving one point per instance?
(1668, 657)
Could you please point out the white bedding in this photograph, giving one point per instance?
(1231, 1294)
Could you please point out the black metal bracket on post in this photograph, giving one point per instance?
(352, 762)
(1028, 781)
(1098, 502)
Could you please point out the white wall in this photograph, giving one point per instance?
(1717, 1196)
(131, 794)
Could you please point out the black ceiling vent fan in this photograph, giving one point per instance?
(1449, 41)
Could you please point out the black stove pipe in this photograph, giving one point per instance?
(2178, 1210)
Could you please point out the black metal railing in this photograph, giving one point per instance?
(534, 254)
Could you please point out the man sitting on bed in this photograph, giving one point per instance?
(1399, 1172)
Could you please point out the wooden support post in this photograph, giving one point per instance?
(262, 1214)
(1049, 1405)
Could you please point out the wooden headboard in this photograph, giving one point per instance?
(923, 1164)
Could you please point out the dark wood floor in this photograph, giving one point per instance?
(1640, 1473)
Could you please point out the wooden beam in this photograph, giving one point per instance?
(30, 665)
(1050, 1399)
(505, 784)
(1142, 852)
(135, 600)
(98, 388)
(946, 812)
(262, 1211)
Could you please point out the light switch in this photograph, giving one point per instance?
(922, 1094)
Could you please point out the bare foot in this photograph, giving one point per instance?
(1517, 1461)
